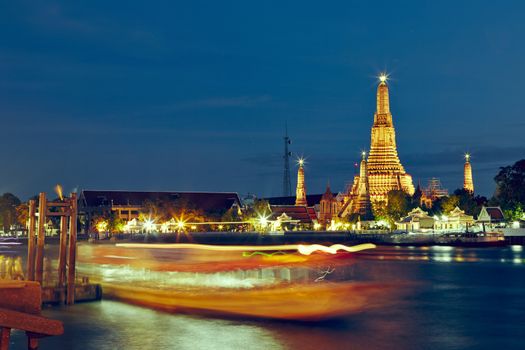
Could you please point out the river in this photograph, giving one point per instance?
(460, 298)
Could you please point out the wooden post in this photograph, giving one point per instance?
(72, 250)
(62, 253)
(31, 242)
(5, 334)
(32, 341)
(42, 208)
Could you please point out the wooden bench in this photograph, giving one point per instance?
(20, 308)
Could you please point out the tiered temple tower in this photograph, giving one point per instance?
(361, 203)
(328, 206)
(300, 192)
(468, 183)
(385, 172)
(357, 200)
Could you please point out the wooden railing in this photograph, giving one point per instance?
(20, 308)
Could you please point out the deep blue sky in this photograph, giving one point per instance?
(194, 95)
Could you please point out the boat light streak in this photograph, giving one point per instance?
(301, 248)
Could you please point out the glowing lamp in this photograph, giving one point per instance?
(149, 225)
(263, 221)
(102, 226)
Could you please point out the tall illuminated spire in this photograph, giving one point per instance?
(300, 192)
(385, 172)
(383, 101)
(468, 183)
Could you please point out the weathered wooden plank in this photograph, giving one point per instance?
(31, 242)
(58, 204)
(30, 323)
(41, 238)
(23, 296)
(62, 252)
(72, 251)
(5, 335)
(58, 213)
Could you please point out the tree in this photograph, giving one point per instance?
(448, 203)
(397, 206)
(259, 208)
(510, 185)
(8, 204)
(468, 202)
(515, 214)
(22, 214)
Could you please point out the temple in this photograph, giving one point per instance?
(385, 172)
(328, 207)
(382, 172)
(300, 192)
(468, 183)
(357, 200)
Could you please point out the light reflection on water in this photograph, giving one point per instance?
(461, 298)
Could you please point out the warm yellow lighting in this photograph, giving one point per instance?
(102, 226)
(149, 225)
(180, 224)
(263, 221)
(221, 227)
(165, 227)
(300, 161)
(383, 77)
(58, 190)
(467, 157)
(193, 227)
(303, 249)
(317, 226)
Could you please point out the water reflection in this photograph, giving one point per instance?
(475, 303)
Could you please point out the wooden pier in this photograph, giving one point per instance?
(20, 308)
(21, 297)
(64, 287)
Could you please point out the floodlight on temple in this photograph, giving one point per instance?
(300, 161)
(263, 220)
(149, 225)
(383, 77)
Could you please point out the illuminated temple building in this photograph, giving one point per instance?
(382, 172)
(357, 200)
(385, 172)
(468, 183)
(300, 192)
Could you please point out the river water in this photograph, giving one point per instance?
(460, 298)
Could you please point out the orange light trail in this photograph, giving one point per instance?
(301, 248)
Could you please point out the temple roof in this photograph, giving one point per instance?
(209, 202)
(311, 199)
(304, 214)
(328, 195)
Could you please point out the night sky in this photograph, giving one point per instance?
(195, 95)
